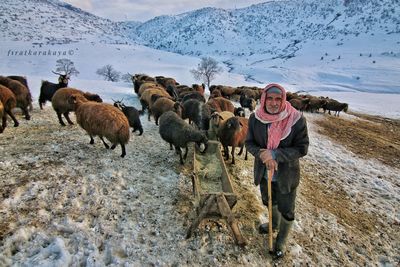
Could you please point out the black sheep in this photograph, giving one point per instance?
(336, 106)
(198, 113)
(178, 133)
(132, 114)
(247, 102)
(48, 89)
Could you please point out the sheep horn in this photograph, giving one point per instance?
(56, 73)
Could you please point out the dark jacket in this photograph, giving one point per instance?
(287, 154)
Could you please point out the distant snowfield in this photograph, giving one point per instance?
(353, 78)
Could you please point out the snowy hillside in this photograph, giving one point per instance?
(53, 22)
(278, 28)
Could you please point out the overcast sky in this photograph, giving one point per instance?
(142, 10)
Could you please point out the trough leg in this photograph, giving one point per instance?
(202, 214)
(226, 213)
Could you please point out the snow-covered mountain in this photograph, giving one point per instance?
(54, 22)
(276, 27)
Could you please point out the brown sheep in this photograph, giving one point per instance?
(199, 88)
(8, 100)
(216, 121)
(165, 81)
(215, 93)
(62, 105)
(221, 104)
(148, 85)
(103, 120)
(22, 95)
(24, 81)
(299, 103)
(1, 115)
(162, 105)
(145, 98)
(315, 104)
(181, 90)
(249, 93)
(233, 133)
(227, 91)
(138, 79)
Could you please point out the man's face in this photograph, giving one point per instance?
(273, 102)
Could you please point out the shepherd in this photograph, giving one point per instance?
(277, 138)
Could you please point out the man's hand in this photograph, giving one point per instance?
(272, 165)
(265, 155)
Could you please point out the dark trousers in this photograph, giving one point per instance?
(285, 202)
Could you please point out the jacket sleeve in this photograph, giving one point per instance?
(251, 144)
(299, 144)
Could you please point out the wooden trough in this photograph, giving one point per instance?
(213, 190)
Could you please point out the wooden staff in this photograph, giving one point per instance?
(270, 234)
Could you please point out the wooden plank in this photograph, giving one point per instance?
(202, 214)
(227, 214)
(213, 190)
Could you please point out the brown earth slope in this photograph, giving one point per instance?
(137, 210)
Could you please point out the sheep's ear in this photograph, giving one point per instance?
(241, 124)
(220, 117)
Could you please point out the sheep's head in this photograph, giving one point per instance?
(76, 99)
(346, 107)
(62, 78)
(233, 124)
(93, 97)
(202, 143)
(239, 112)
(178, 108)
(118, 104)
(172, 91)
(215, 118)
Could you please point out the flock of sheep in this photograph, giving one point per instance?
(170, 104)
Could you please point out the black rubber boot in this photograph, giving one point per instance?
(283, 234)
(276, 220)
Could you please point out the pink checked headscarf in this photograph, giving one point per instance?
(281, 123)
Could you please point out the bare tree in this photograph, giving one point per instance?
(127, 77)
(67, 66)
(206, 70)
(109, 73)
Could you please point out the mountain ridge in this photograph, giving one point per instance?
(273, 27)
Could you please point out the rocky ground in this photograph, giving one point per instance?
(64, 202)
